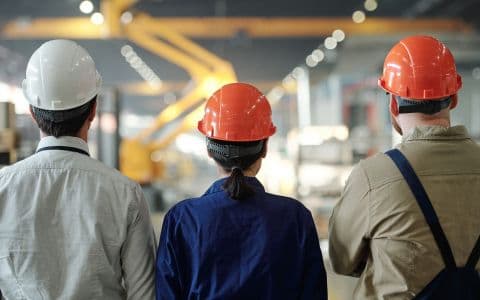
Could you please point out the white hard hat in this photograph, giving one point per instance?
(60, 75)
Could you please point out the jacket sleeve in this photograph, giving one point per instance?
(349, 226)
(168, 276)
(138, 251)
(314, 277)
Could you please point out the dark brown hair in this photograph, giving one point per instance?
(63, 122)
(236, 185)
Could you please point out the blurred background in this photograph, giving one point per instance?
(317, 61)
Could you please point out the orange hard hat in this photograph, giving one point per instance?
(237, 112)
(420, 68)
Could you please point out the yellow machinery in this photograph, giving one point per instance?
(208, 72)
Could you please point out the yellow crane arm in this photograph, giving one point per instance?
(172, 112)
(152, 26)
(146, 40)
(207, 71)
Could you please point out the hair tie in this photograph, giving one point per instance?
(236, 168)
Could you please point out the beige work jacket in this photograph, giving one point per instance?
(377, 231)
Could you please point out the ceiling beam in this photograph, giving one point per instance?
(304, 27)
(219, 28)
(142, 88)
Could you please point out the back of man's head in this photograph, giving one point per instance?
(61, 86)
(420, 74)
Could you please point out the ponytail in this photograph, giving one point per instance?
(234, 158)
(236, 186)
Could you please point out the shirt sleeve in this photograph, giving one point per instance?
(168, 276)
(349, 226)
(315, 278)
(138, 251)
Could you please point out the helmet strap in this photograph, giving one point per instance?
(429, 107)
(58, 116)
(233, 151)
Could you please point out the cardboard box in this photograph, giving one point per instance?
(7, 139)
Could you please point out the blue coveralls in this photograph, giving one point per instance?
(263, 247)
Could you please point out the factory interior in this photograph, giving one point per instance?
(317, 62)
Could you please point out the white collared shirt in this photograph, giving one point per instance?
(73, 228)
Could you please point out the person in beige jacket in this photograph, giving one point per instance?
(377, 229)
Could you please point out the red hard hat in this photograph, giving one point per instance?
(237, 112)
(420, 68)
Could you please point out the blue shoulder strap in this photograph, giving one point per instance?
(475, 256)
(425, 205)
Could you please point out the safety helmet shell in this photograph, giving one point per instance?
(60, 75)
(420, 68)
(237, 112)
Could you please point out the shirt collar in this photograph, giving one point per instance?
(217, 185)
(436, 133)
(67, 141)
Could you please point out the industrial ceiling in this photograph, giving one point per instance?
(261, 59)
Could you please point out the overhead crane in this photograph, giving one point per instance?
(207, 71)
(166, 37)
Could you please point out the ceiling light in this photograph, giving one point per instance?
(143, 68)
(311, 61)
(358, 16)
(330, 43)
(297, 72)
(370, 5)
(126, 50)
(97, 18)
(140, 66)
(339, 35)
(86, 7)
(318, 55)
(133, 59)
(126, 17)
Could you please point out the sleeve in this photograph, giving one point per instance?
(314, 277)
(138, 251)
(168, 276)
(349, 226)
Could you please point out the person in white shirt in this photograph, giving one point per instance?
(70, 227)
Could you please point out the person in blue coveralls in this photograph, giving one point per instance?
(237, 241)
